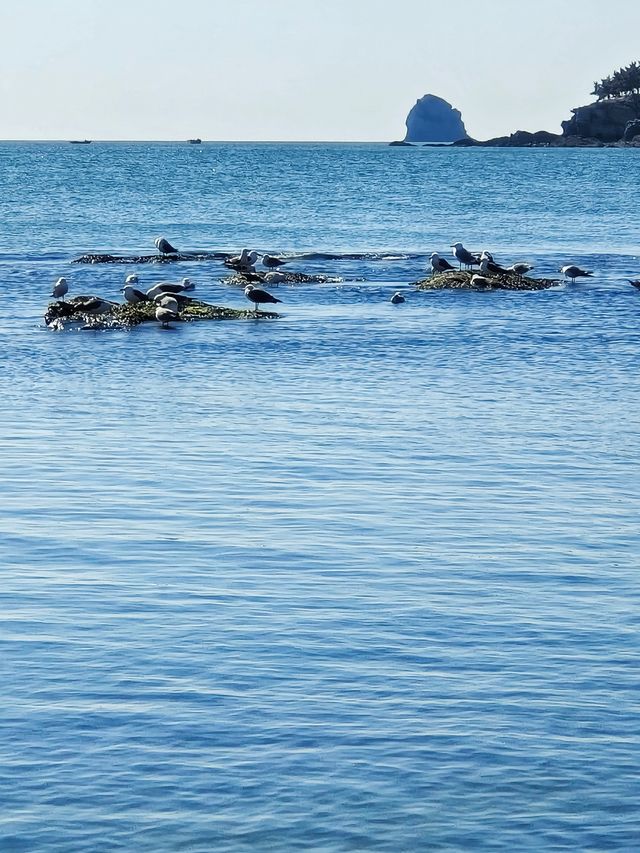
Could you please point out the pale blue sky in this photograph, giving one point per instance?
(300, 70)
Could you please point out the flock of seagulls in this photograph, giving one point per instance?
(488, 267)
(170, 297)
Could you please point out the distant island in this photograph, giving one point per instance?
(432, 119)
(612, 121)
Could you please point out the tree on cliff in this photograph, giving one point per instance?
(624, 81)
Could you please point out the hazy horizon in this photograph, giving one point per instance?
(280, 71)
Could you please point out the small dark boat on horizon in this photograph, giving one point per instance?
(80, 141)
(194, 141)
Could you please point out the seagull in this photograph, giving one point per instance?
(170, 287)
(573, 272)
(520, 269)
(164, 246)
(93, 305)
(179, 298)
(272, 261)
(464, 256)
(132, 295)
(487, 265)
(274, 277)
(255, 295)
(635, 283)
(168, 302)
(480, 282)
(439, 264)
(164, 316)
(60, 288)
(397, 298)
(243, 262)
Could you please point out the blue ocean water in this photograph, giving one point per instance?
(363, 578)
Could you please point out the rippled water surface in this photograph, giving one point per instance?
(364, 577)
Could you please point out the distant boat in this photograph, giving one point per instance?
(194, 141)
(80, 141)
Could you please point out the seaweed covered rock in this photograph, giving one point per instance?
(90, 312)
(461, 280)
(105, 258)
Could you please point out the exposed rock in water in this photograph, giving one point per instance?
(519, 139)
(104, 258)
(432, 119)
(125, 316)
(461, 280)
(287, 278)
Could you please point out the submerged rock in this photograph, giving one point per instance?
(104, 258)
(125, 316)
(461, 280)
(432, 119)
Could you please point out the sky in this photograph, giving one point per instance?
(343, 70)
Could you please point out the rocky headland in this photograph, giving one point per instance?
(612, 121)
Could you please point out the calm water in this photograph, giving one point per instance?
(364, 578)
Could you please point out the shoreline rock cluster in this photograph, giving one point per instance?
(461, 280)
(126, 315)
(608, 123)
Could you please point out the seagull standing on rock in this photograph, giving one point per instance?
(164, 246)
(131, 294)
(573, 272)
(165, 315)
(170, 287)
(258, 296)
(60, 288)
(272, 261)
(244, 262)
(489, 266)
(520, 269)
(464, 256)
(439, 264)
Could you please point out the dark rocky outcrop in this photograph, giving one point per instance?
(432, 119)
(71, 313)
(104, 258)
(632, 131)
(519, 139)
(613, 122)
(604, 120)
(461, 280)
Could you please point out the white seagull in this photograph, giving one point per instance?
(166, 301)
(480, 282)
(244, 262)
(272, 261)
(439, 264)
(274, 277)
(520, 269)
(132, 295)
(170, 287)
(164, 246)
(489, 266)
(573, 272)
(165, 315)
(464, 256)
(257, 296)
(60, 288)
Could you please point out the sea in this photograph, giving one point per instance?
(364, 577)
